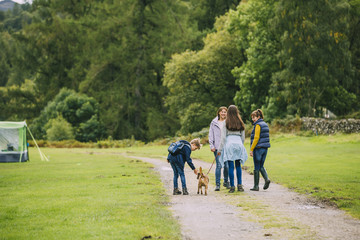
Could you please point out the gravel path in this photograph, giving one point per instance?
(276, 213)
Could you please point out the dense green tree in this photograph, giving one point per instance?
(251, 27)
(205, 12)
(315, 59)
(11, 23)
(79, 110)
(4, 60)
(202, 80)
(18, 103)
(354, 39)
(127, 66)
(52, 50)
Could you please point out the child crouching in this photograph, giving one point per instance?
(177, 162)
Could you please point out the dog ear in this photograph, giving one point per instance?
(200, 169)
(198, 175)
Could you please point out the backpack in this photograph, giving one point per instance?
(175, 147)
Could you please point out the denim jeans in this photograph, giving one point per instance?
(238, 172)
(259, 156)
(178, 171)
(217, 169)
(226, 172)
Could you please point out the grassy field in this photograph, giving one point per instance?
(326, 167)
(83, 196)
(100, 194)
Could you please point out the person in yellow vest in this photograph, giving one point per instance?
(259, 144)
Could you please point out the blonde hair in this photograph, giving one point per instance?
(196, 142)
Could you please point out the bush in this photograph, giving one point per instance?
(59, 129)
(79, 110)
(289, 124)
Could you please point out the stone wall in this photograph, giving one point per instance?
(325, 126)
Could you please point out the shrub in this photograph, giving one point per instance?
(59, 129)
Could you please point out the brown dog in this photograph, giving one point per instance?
(203, 182)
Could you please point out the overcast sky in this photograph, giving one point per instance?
(20, 1)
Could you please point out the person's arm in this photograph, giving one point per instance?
(243, 136)
(188, 158)
(211, 138)
(256, 137)
(222, 138)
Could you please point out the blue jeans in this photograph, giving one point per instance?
(217, 169)
(226, 172)
(178, 171)
(238, 172)
(259, 156)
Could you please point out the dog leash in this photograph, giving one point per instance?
(211, 166)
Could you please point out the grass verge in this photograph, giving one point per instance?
(83, 196)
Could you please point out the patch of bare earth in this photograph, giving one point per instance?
(276, 213)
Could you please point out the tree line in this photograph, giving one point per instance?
(152, 68)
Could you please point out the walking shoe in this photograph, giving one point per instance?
(240, 188)
(185, 192)
(232, 189)
(217, 188)
(176, 191)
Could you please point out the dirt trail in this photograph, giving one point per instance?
(273, 214)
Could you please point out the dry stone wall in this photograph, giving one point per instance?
(326, 126)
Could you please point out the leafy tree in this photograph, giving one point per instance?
(202, 79)
(18, 103)
(251, 27)
(79, 110)
(315, 59)
(126, 69)
(354, 39)
(206, 11)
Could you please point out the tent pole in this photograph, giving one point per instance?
(42, 155)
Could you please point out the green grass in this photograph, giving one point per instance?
(100, 194)
(83, 196)
(326, 167)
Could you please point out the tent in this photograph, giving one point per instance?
(13, 144)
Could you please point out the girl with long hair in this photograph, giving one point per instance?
(232, 148)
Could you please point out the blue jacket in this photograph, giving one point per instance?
(264, 141)
(182, 157)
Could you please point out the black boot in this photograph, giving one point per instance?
(185, 192)
(176, 191)
(265, 176)
(256, 181)
(232, 189)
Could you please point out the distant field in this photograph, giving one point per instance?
(83, 196)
